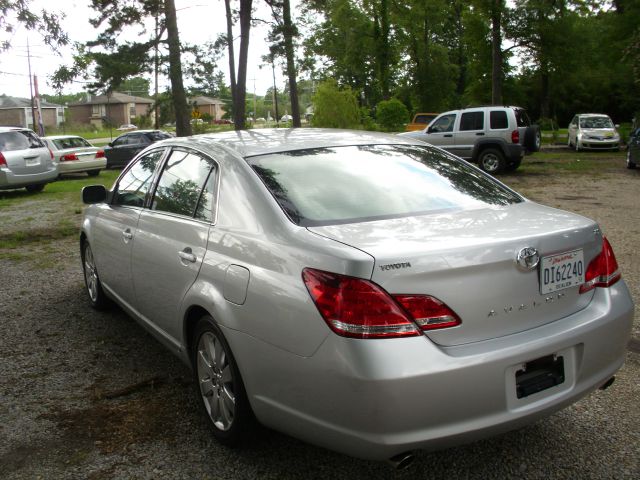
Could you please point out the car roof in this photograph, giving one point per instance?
(593, 115)
(58, 137)
(248, 143)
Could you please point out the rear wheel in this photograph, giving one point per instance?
(219, 385)
(35, 188)
(492, 161)
(93, 173)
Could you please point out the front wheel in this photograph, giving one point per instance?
(492, 161)
(219, 385)
(97, 297)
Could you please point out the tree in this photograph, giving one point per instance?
(47, 24)
(392, 115)
(335, 107)
(283, 34)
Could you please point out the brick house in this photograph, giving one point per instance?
(16, 112)
(212, 106)
(117, 108)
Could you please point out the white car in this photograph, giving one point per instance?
(126, 127)
(593, 131)
(74, 154)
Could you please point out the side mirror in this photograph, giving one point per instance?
(94, 194)
(429, 130)
(617, 125)
(110, 144)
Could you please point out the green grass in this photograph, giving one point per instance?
(592, 163)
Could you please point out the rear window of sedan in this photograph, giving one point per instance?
(71, 142)
(327, 186)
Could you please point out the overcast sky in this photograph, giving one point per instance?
(198, 22)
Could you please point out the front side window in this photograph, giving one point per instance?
(183, 187)
(443, 124)
(352, 184)
(134, 184)
(472, 121)
(123, 140)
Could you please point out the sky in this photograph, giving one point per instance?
(198, 22)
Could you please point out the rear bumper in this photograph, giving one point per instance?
(9, 180)
(82, 165)
(377, 398)
(514, 152)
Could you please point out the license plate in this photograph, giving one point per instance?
(32, 162)
(560, 271)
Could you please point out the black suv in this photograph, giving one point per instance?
(497, 138)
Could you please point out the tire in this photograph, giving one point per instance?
(577, 145)
(92, 283)
(630, 164)
(35, 188)
(532, 138)
(219, 386)
(492, 161)
(93, 173)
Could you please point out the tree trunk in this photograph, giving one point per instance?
(241, 85)
(496, 52)
(384, 55)
(289, 31)
(232, 57)
(183, 126)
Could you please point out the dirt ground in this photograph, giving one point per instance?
(85, 394)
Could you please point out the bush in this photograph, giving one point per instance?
(392, 115)
(334, 107)
(366, 120)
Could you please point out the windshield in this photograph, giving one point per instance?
(595, 122)
(351, 184)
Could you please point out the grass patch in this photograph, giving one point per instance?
(593, 163)
(65, 228)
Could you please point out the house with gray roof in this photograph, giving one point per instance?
(116, 108)
(16, 112)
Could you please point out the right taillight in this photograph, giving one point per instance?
(3, 161)
(515, 136)
(357, 308)
(603, 270)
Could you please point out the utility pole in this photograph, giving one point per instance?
(33, 110)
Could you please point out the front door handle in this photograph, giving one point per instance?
(127, 235)
(187, 255)
(448, 135)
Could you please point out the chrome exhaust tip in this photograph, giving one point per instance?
(402, 461)
(608, 383)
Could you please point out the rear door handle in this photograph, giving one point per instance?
(448, 135)
(480, 133)
(187, 256)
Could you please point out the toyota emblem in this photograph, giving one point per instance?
(528, 258)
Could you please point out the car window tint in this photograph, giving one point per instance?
(361, 183)
(135, 139)
(443, 124)
(181, 184)
(498, 120)
(19, 140)
(134, 184)
(205, 208)
(472, 121)
(157, 136)
(123, 140)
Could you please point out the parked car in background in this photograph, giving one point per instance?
(420, 121)
(286, 118)
(497, 138)
(74, 154)
(126, 127)
(633, 149)
(120, 152)
(368, 293)
(25, 161)
(593, 131)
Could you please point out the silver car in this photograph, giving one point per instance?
(25, 161)
(74, 154)
(592, 131)
(364, 292)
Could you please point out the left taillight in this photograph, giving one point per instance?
(3, 161)
(51, 154)
(358, 308)
(515, 136)
(100, 154)
(603, 271)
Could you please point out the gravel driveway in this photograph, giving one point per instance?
(91, 395)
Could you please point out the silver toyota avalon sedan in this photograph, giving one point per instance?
(364, 292)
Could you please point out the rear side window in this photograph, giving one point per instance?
(134, 184)
(19, 140)
(157, 136)
(183, 187)
(328, 186)
(498, 120)
(522, 119)
(472, 121)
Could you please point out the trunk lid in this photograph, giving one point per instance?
(467, 259)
